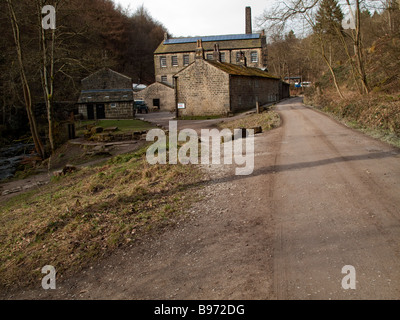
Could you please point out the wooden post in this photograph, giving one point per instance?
(257, 105)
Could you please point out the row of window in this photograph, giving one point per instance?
(174, 61)
(209, 56)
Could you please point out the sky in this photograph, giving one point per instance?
(185, 18)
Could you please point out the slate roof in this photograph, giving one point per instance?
(225, 42)
(106, 85)
(213, 38)
(238, 70)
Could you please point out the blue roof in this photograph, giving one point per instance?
(214, 38)
(106, 90)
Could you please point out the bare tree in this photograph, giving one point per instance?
(282, 14)
(47, 44)
(25, 85)
(358, 48)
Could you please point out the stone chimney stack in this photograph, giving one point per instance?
(249, 27)
(199, 50)
(216, 54)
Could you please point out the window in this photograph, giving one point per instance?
(186, 60)
(163, 62)
(113, 105)
(254, 56)
(222, 55)
(237, 56)
(174, 61)
(210, 56)
(164, 79)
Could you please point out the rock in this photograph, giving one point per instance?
(137, 135)
(99, 148)
(95, 130)
(69, 168)
(15, 190)
(257, 129)
(58, 173)
(110, 129)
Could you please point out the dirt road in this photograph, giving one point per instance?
(322, 196)
(336, 202)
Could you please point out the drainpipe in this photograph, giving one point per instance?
(176, 97)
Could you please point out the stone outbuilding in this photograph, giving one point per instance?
(212, 87)
(106, 94)
(158, 97)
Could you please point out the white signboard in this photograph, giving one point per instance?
(181, 106)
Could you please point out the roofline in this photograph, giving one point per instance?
(210, 62)
(213, 38)
(106, 90)
(190, 64)
(165, 84)
(103, 101)
(106, 69)
(205, 50)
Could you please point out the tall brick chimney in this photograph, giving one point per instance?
(249, 28)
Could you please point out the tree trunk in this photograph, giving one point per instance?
(353, 71)
(25, 85)
(358, 50)
(323, 54)
(47, 75)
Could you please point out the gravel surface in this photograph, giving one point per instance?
(321, 196)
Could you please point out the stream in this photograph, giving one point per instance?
(11, 156)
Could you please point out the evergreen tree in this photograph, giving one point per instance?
(329, 17)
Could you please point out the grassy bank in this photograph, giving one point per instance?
(267, 120)
(375, 114)
(122, 125)
(83, 216)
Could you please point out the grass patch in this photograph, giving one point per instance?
(200, 117)
(123, 125)
(267, 120)
(83, 216)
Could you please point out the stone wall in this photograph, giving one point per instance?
(169, 71)
(246, 90)
(82, 109)
(121, 110)
(204, 89)
(230, 57)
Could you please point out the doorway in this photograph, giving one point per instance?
(156, 103)
(100, 111)
(90, 112)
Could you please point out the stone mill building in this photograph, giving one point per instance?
(213, 75)
(106, 94)
(214, 87)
